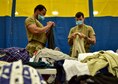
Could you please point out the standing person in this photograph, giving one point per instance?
(36, 32)
(81, 36)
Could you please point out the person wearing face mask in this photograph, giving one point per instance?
(81, 36)
(36, 32)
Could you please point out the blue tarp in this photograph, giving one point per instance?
(106, 28)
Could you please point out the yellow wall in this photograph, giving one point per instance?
(106, 7)
(65, 8)
(5, 7)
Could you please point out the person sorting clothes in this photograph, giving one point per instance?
(81, 36)
(36, 32)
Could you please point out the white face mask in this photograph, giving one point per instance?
(80, 22)
(40, 17)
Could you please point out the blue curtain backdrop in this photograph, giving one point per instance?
(106, 28)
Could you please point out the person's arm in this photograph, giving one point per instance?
(35, 30)
(91, 40)
(70, 38)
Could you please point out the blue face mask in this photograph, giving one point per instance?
(40, 17)
(80, 22)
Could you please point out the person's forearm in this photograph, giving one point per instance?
(44, 29)
(90, 40)
(36, 30)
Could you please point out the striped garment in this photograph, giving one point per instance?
(17, 73)
(14, 54)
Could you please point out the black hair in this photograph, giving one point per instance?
(39, 7)
(79, 14)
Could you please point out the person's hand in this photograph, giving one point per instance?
(50, 24)
(53, 24)
(74, 35)
(81, 35)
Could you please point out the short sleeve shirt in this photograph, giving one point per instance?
(87, 30)
(37, 37)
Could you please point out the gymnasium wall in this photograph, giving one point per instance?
(13, 33)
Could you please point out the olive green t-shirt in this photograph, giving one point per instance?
(37, 37)
(87, 30)
(35, 41)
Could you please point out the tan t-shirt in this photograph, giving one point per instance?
(38, 37)
(87, 30)
(35, 41)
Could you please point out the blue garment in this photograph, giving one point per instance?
(17, 73)
(14, 54)
(61, 75)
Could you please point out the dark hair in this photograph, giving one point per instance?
(79, 14)
(39, 7)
